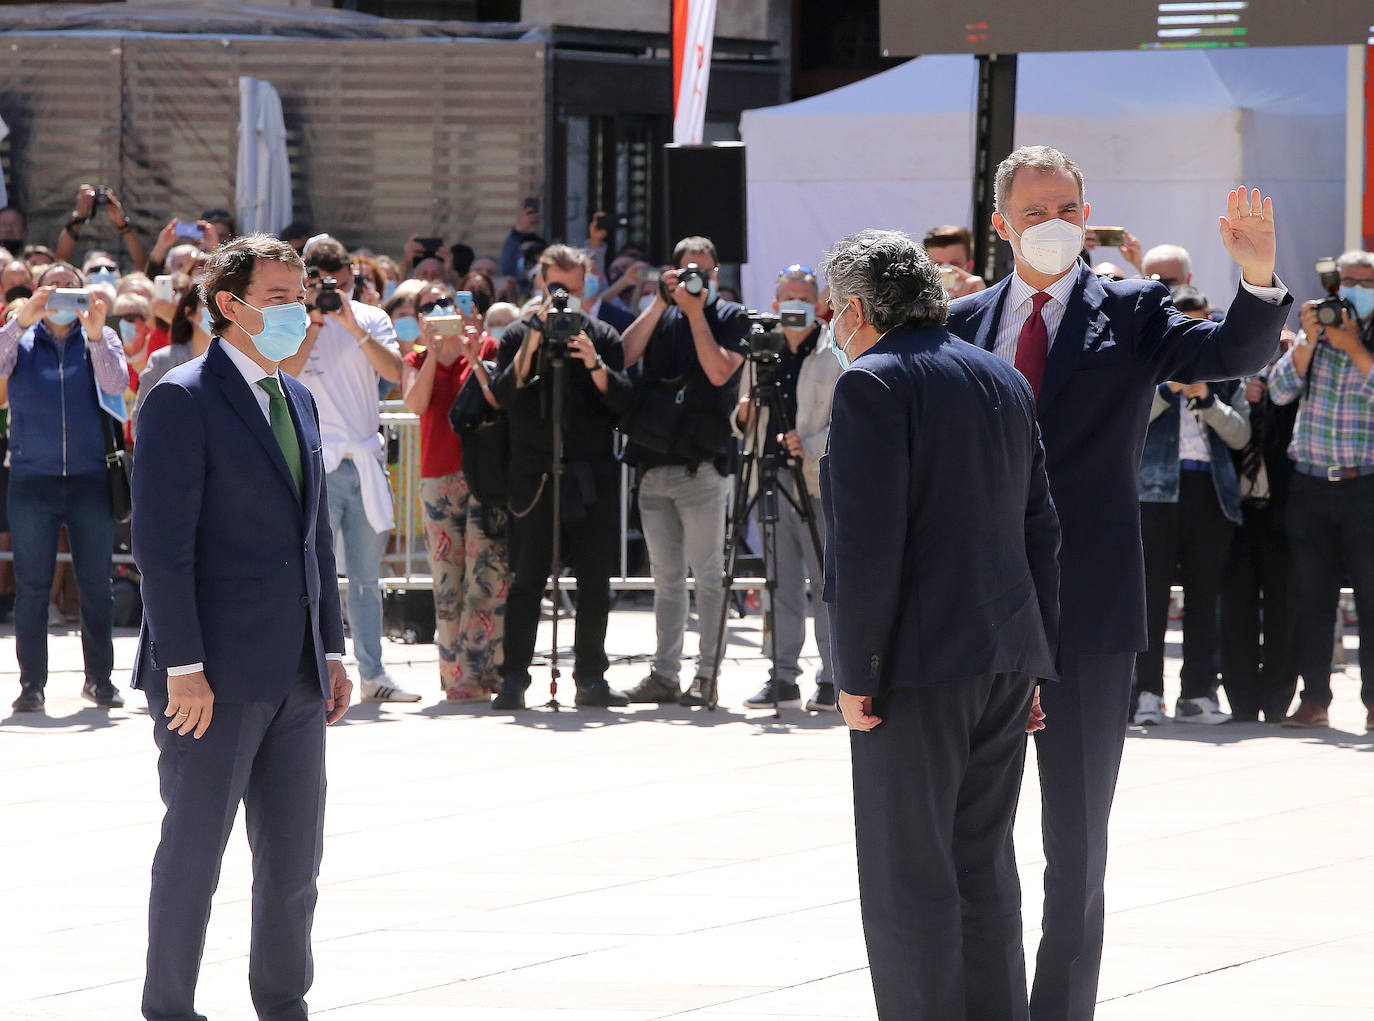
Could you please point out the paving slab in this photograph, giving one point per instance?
(660, 862)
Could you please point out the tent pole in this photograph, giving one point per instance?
(1354, 148)
(995, 128)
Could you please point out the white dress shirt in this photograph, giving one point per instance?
(1192, 434)
(1018, 308)
(252, 373)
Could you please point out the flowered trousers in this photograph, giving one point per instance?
(471, 578)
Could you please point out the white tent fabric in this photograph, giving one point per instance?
(1161, 138)
(263, 189)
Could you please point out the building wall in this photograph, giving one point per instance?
(386, 139)
(739, 19)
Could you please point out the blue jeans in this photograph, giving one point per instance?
(363, 548)
(39, 505)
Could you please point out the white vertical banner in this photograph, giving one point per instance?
(694, 26)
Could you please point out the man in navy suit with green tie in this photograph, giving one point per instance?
(241, 648)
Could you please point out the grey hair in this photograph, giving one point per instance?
(1170, 253)
(1354, 257)
(891, 275)
(1032, 157)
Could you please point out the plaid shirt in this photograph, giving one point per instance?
(1335, 425)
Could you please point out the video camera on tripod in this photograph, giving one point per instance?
(563, 321)
(765, 340)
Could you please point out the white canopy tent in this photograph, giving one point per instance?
(1161, 138)
(263, 185)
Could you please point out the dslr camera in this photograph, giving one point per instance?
(1331, 307)
(560, 323)
(329, 299)
(693, 279)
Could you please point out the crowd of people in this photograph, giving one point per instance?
(1234, 479)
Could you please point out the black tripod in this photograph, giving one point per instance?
(764, 394)
(557, 361)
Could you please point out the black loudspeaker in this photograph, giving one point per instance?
(705, 193)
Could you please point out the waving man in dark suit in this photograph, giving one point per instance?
(242, 642)
(1093, 351)
(943, 590)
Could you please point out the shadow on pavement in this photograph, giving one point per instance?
(87, 719)
(1234, 733)
(568, 718)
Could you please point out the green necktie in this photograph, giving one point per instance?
(283, 430)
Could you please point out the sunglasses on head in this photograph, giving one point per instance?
(796, 267)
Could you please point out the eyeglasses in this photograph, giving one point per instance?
(1352, 282)
(429, 306)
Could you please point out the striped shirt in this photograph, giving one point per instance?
(1335, 424)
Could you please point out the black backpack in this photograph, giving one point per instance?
(485, 432)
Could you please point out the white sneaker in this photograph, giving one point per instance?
(55, 616)
(382, 689)
(1199, 710)
(1149, 710)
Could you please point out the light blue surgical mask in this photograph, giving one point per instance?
(590, 288)
(798, 305)
(103, 276)
(407, 329)
(388, 289)
(206, 324)
(65, 317)
(283, 329)
(1363, 300)
(711, 293)
(128, 332)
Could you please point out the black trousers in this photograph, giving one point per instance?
(935, 792)
(590, 547)
(270, 756)
(1331, 536)
(1195, 537)
(1258, 601)
(1079, 755)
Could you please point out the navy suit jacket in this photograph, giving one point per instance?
(941, 535)
(1117, 342)
(237, 569)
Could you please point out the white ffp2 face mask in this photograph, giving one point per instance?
(1050, 247)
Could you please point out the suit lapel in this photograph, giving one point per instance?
(986, 337)
(241, 399)
(1080, 328)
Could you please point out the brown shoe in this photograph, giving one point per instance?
(1309, 714)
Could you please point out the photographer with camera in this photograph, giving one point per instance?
(59, 356)
(1331, 499)
(558, 342)
(348, 348)
(690, 345)
(804, 372)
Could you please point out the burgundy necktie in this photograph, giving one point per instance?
(1033, 346)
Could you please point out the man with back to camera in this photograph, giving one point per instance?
(1094, 350)
(596, 393)
(241, 649)
(348, 348)
(689, 342)
(943, 591)
(805, 375)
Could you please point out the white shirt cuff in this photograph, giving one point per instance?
(181, 671)
(1274, 295)
(337, 657)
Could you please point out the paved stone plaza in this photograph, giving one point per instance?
(664, 863)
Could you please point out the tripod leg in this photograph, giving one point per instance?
(739, 517)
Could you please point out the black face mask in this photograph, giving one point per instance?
(15, 245)
(480, 301)
(18, 292)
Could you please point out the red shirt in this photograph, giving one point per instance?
(158, 337)
(441, 451)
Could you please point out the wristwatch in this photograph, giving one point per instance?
(600, 363)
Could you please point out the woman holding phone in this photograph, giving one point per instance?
(466, 541)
